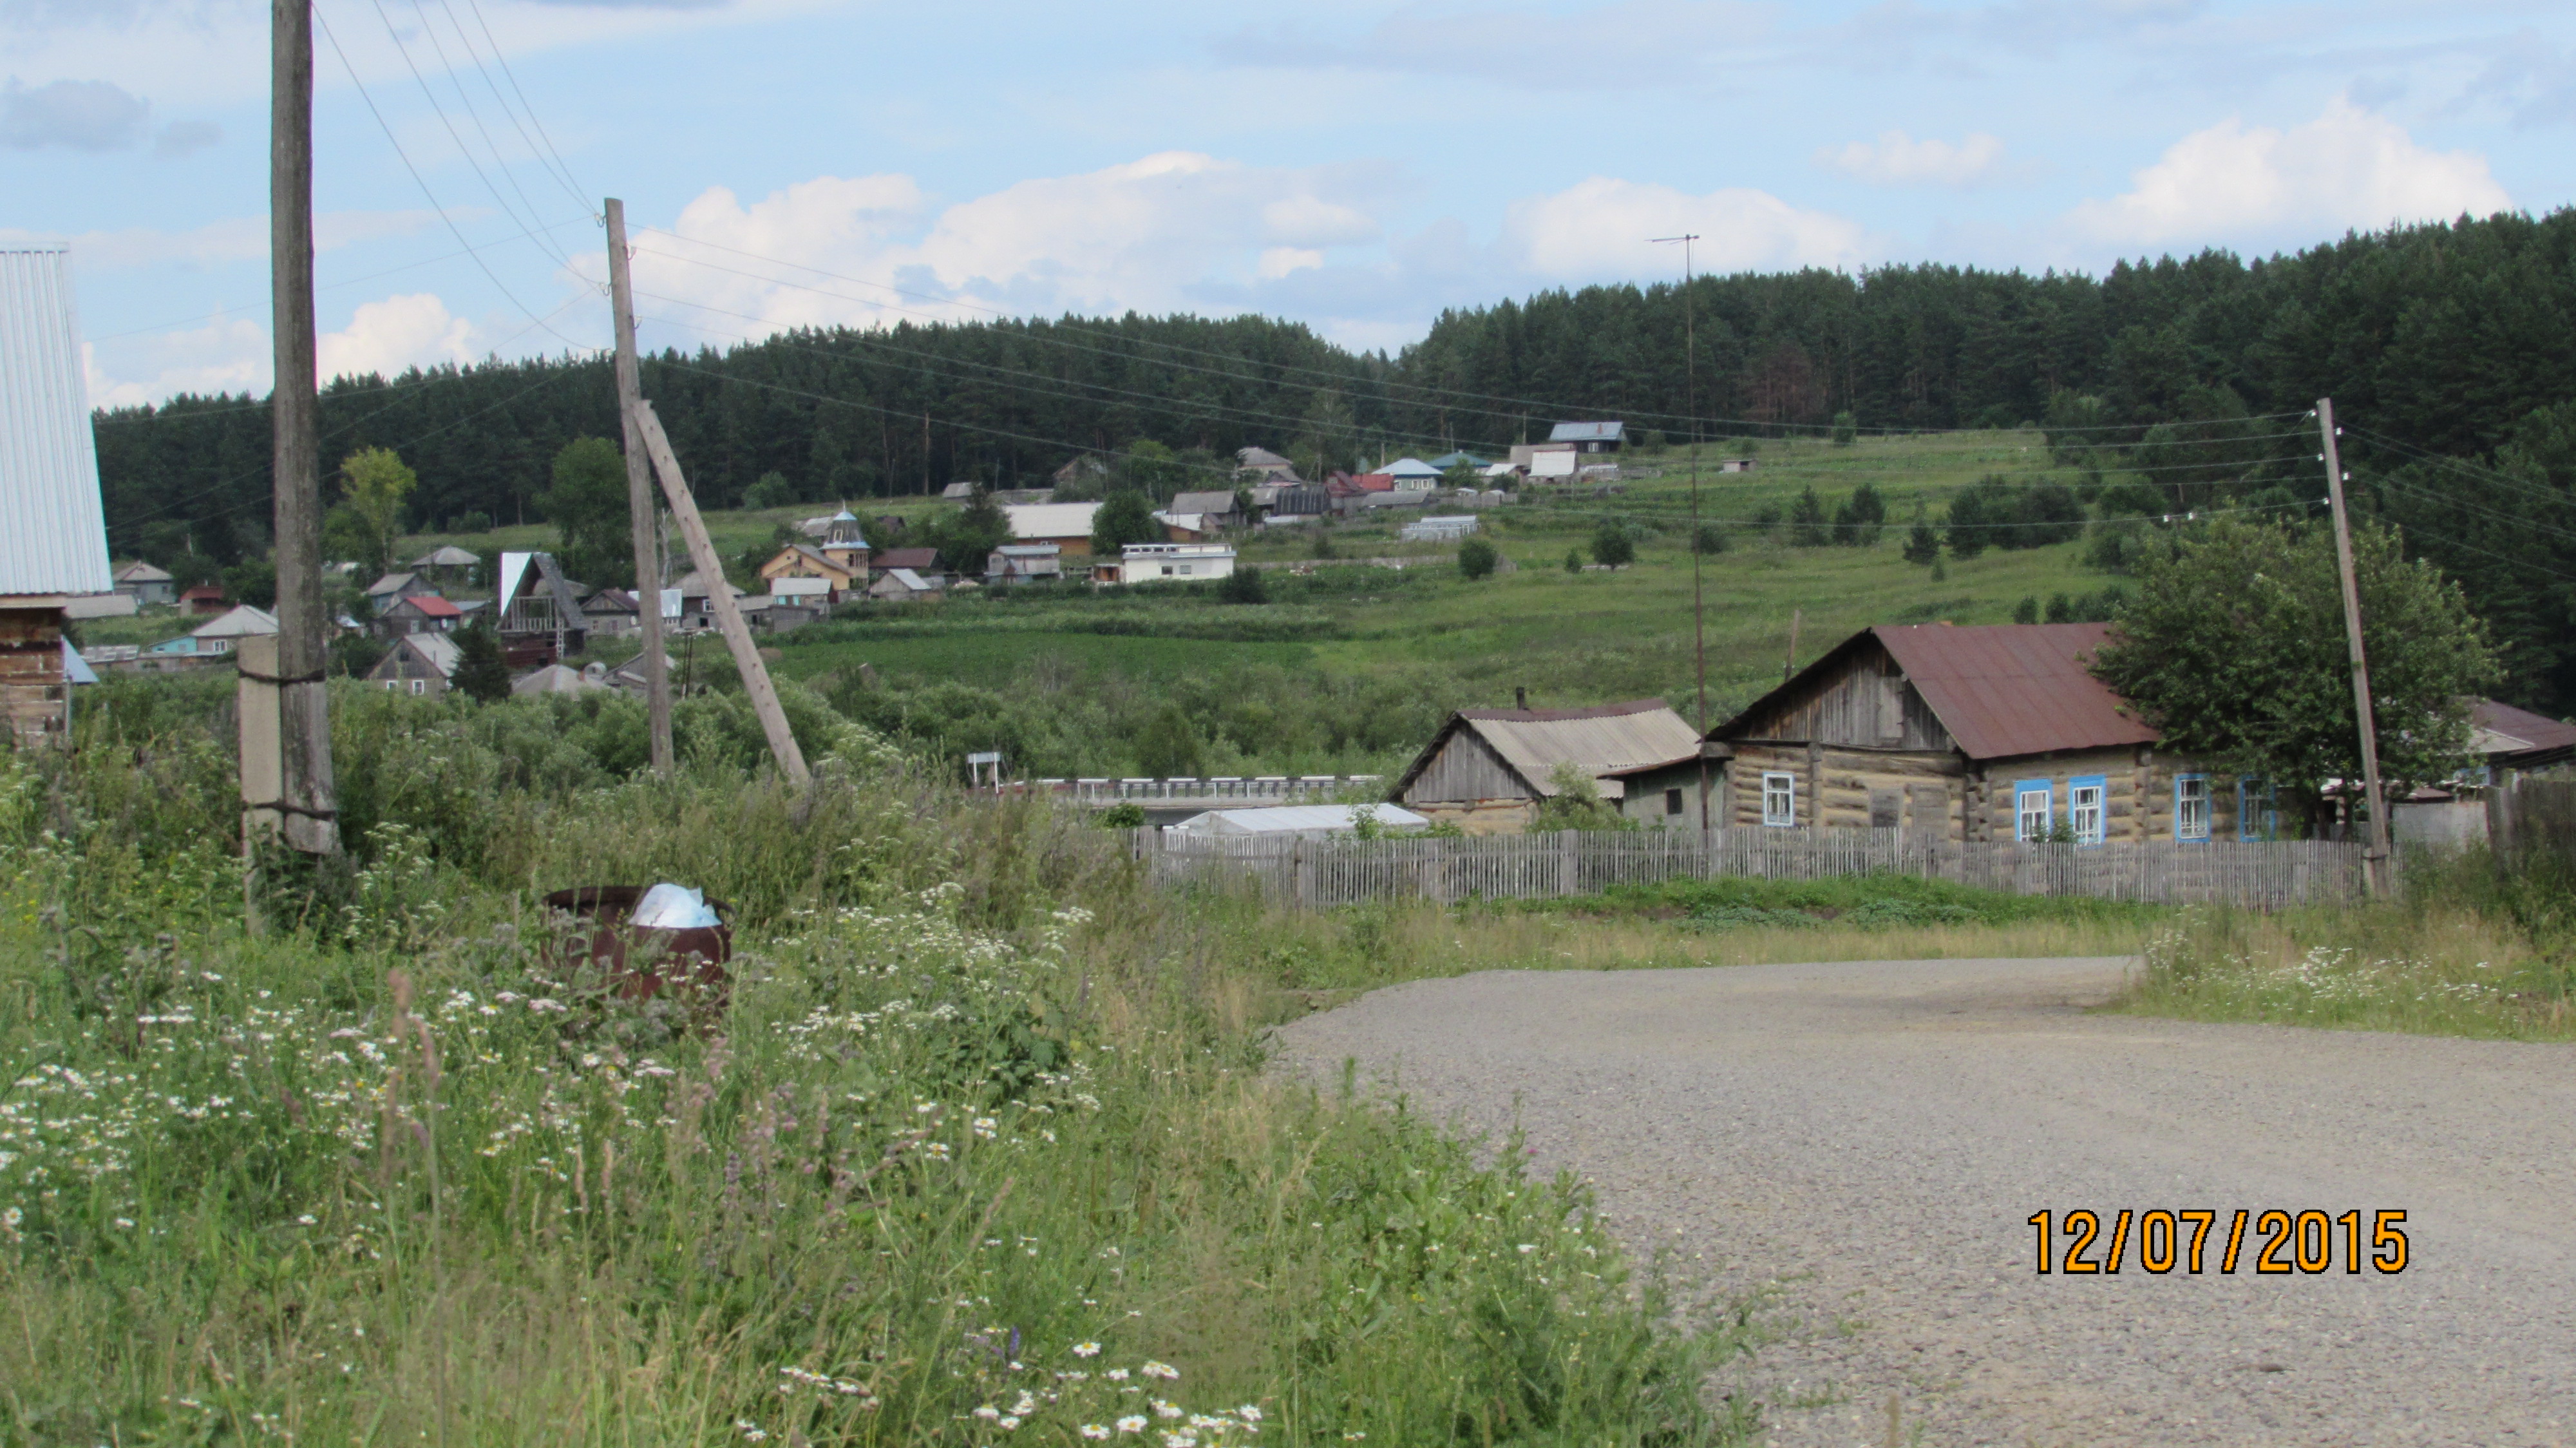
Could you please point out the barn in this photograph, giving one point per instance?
(1488, 770)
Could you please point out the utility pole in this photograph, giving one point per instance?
(639, 494)
(925, 452)
(304, 810)
(2375, 855)
(1690, 414)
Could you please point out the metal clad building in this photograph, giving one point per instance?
(53, 530)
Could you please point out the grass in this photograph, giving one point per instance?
(980, 1146)
(2471, 946)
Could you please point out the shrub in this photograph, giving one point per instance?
(1243, 585)
(1611, 545)
(1476, 558)
(1710, 538)
(1124, 815)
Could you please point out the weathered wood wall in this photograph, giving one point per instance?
(1466, 771)
(1865, 703)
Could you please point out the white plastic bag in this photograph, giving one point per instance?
(672, 907)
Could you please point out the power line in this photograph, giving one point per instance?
(452, 133)
(560, 168)
(382, 125)
(534, 151)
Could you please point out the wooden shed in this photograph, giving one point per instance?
(1986, 733)
(1487, 770)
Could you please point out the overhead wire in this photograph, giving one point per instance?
(444, 120)
(560, 167)
(473, 113)
(540, 155)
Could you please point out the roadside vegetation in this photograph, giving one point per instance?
(2471, 945)
(979, 1150)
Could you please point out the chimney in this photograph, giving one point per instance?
(1520, 699)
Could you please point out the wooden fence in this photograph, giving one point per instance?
(1345, 871)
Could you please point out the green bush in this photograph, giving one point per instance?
(1476, 558)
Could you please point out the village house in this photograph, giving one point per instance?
(422, 664)
(1975, 734)
(697, 603)
(1215, 509)
(219, 635)
(145, 584)
(1261, 466)
(1590, 437)
(2507, 742)
(612, 613)
(923, 561)
(446, 564)
(393, 587)
(1489, 770)
(53, 528)
(801, 570)
(204, 601)
(903, 585)
(1166, 563)
(535, 610)
(1066, 525)
(1024, 563)
(417, 613)
(1413, 475)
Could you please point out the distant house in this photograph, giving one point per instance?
(1188, 527)
(1413, 475)
(924, 561)
(53, 528)
(697, 603)
(1024, 563)
(1449, 460)
(384, 592)
(1084, 469)
(205, 600)
(1216, 507)
(1591, 437)
(1264, 466)
(2507, 741)
(561, 679)
(418, 613)
(888, 525)
(801, 571)
(1489, 770)
(1446, 528)
(1166, 563)
(1066, 525)
(1989, 733)
(423, 664)
(903, 585)
(960, 491)
(144, 583)
(447, 563)
(1302, 504)
(612, 613)
(533, 602)
(220, 635)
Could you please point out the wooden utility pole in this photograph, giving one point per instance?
(639, 494)
(304, 809)
(1699, 626)
(2375, 855)
(737, 634)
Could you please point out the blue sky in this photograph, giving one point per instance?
(1358, 167)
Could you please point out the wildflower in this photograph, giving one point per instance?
(1116, 1375)
(751, 1432)
(1086, 1349)
(1528, 1247)
(1008, 1422)
(1180, 1440)
(1160, 1370)
(1163, 1409)
(988, 1413)
(306, 1220)
(1248, 1413)
(985, 1127)
(126, 1222)
(1132, 1423)
(1094, 1430)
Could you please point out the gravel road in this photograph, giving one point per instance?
(1859, 1146)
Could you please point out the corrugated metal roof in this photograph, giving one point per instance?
(53, 530)
(2014, 688)
(1587, 432)
(2508, 730)
(1297, 819)
(1051, 520)
(1600, 741)
(436, 650)
(241, 622)
(1207, 502)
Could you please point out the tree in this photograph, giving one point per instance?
(1860, 517)
(1128, 517)
(1323, 544)
(1709, 538)
(1807, 528)
(1574, 560)
(1168, 747)
(588, 506)
(481, 673)
(1922, 545)
(2061, 609)
(252, 581)
(2026, 611)
(1153, 469)
(1846, 431)
(1329, 437)
(1576, 805)
(967, 536)
(2233, 649)
(367, 523)
(1243, 585)
(770, 490)
(1476, 558)
(1611, 545)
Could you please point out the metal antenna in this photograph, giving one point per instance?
(1690, 411)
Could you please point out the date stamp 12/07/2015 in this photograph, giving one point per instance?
(2196, 1241)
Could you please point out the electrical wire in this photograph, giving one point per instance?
(561, 168)
(417, 180)
(473, 113)
(539, 154)
(463, 150)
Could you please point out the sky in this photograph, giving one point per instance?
(791, 163)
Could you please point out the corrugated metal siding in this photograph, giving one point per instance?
(1597, 741)
(53, 531)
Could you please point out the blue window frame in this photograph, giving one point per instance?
(2088, 808)
(2191, 807)
(2257, 818)
(2034, 808)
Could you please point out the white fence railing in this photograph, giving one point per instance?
(1260, 789)
(1346, 871)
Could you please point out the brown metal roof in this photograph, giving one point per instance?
(2019, 688)
(1601, 741)
(2504, 729)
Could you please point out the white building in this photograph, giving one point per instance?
(1167, 563)
(1442, 529)
(53, 529)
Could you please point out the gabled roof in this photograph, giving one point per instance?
(556, 679)
(913, 558)
(238, 623)
(392, 583)
(214, 591)
(436, 650)
(1587, 432)
(1411, 468)
(812, 555)
(446, 556)
(2501, 730)
(611, 600)
(910, 581)
(2000, 689)
(53, 527)
(139, 571)
(1446, 461)
(1374, 482)
(1206, 502)
(693, 584)
(1260, 457)
(1606, 740)
(429, 605)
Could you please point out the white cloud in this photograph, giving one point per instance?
(228, 354)
(235, 239)
(1896, 159)
(78, 115)
(1169, 231)
(2347, 168)
(396, 334)
(1602, 228)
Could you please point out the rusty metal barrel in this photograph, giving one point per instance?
(642, 961)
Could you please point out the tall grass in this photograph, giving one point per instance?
(2472, 945)
(980, 1150)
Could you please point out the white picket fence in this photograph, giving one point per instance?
(1345, 871)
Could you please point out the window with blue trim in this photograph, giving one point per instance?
(2088, 808)
(2191, 806)
(2034, 809)
(2256, 815)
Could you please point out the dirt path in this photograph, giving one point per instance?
(1864, 1142)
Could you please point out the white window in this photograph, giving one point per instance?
(2034, 809)
(1779, 799)
(1185, 570)
(392, 685)
(420, 686)
(2084, 810)
(2191, 806)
